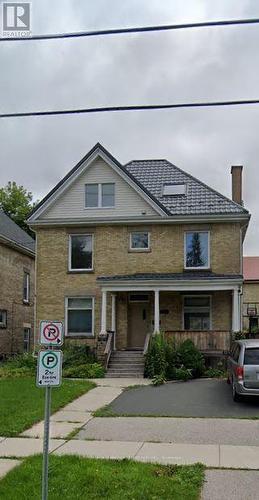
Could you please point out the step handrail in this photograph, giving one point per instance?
(108, 347)
(146, 344)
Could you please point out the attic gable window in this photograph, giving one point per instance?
(174, 189)
(100, 195)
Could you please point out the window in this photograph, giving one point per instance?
(26, 287)
(251, 356)
(100, 195)
(139, 240)
(197, 250)
(26, 339)
(79, 316)
(3, 318)
(174, 189)
(81, 252)
(197, 312)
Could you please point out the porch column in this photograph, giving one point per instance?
(103, 313)
(236, 327)
(156, 312)
(113, 325)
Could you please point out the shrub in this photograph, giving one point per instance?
(7, 372)
(87, 370)
(155, 362)
(182, 373)
(191, 358)
(75, 355)
(21, 361)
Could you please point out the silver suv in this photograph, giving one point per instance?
(243, 368)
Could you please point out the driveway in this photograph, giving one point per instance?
(196, 398)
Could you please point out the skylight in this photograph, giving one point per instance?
(174, 189)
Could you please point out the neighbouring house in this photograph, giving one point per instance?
(17, 262)
(124, 251)
(251, 295)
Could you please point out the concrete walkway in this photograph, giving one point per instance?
(231, 485)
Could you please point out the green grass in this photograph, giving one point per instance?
(22, 403)
(75, 478)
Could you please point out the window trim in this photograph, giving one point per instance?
(83, 270)
(132, 249)
(99, 205)
(210, 310)
(26, 300)
(80, 335)
(3, 325)
(185, 248)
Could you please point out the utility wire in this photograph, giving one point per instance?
(145, 107)
(140, 29)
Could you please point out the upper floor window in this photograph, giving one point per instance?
(26, 339)
(139, 240)
(100, 195)
(197, 250)
(26, 286)
(81, 252)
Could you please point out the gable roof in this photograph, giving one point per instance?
(98, 148)
(14, 235)
(251, 268)
(199, 199)
(149, 177)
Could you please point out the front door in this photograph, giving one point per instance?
(138, 323)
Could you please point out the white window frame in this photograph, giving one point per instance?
(70, 268)
(26, 299)
(188, 295)
(3, 324)
(133, 249)
(99, 205)
(185, 249)
(74, 335)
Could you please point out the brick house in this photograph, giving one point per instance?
(139, 248)
(251, 294)
(17, 262)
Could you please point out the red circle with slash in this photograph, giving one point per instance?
(51, 332)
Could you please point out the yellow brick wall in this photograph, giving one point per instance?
(112, 256)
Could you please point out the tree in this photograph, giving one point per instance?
(194, 255)
(16, 202)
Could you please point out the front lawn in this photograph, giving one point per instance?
(22, 403)
(74, 478)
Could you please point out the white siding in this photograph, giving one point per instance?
(71, 203)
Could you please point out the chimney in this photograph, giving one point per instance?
(236, 171)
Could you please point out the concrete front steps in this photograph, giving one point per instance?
(126, 364)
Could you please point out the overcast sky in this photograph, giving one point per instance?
(187, 65)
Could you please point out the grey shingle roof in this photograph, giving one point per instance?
(199, 199)
(170, 276)
(12, 232)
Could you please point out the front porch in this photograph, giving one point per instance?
(205, 310)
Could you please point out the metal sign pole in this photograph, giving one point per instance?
(45, 464)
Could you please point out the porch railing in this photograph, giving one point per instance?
(146, 344)
(108, 348)
(213, 340)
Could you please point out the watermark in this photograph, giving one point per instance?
(16, 19)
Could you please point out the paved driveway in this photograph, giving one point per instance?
(196, 398)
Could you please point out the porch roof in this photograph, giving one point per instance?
(171, 278)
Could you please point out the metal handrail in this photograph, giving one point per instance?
(108, 347)
(146, 344)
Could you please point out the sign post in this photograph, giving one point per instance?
(48, 375)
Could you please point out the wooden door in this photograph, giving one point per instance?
(138, 323)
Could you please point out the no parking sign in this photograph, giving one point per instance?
(51, 333)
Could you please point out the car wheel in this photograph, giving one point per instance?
(236, 397)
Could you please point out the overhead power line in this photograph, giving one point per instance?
(140, 29)
(140, 107)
